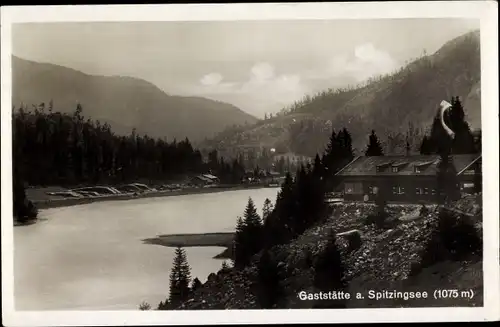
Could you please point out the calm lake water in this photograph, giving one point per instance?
(91, 257)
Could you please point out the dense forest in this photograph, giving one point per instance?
(52, 148)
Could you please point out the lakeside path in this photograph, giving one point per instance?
(66, 202)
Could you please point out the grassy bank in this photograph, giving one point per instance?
(194, 240)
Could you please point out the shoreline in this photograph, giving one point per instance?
(67, 202)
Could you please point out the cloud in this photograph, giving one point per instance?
(262, 72)
(364, 62)
(211, 79)
(267, 90)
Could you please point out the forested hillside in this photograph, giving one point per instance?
(397, 105)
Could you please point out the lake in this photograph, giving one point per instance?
(91, 257)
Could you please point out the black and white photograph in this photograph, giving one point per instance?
(211, 162)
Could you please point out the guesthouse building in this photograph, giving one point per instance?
(405, 178)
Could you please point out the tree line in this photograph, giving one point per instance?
(53, 148)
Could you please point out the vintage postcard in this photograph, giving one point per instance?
(250, 163)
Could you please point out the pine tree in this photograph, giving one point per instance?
(425, 146)
(478, 180)
(269, 287)
(278, 225)
(374, 148)
(196, 284)
(407, 147)
(248, 237)
(180, 277)
(447, 183)
(267, 209)
(463, 141)
(23, 209)
(240, 246)
(329, 273)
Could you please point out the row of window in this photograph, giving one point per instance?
(396, 169)
(357, 188)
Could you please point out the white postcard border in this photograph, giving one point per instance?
(486, 11)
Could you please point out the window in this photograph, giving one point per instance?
(417, 169)
(469, 172)
(426, 191)
(433, 191)
(398, 190)
(468, 185)
(395, 169)
(419, 191)
(353, 188)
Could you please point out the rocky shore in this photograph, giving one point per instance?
(385, 260)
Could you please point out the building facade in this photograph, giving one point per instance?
(405, 178)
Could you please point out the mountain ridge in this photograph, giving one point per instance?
(124, 102)
(387, 104)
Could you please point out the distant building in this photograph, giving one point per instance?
(200, 180)
(293, 158)
(212, 178)
(404, 178)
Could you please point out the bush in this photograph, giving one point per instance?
(269, 288)
(329, 273)
(354, 240)
(144, 306)
(378, 219)
(423, 210)
(455, 238)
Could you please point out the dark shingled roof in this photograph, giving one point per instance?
(367, 166)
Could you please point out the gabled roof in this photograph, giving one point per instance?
(209, 176)
(427, 164)
(202, 178)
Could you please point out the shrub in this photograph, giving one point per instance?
(454, 238)
(269, 288)
(329, 273)
(144, 306)
(354, 240)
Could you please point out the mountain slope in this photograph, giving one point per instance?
(124, 102)
(387, 104)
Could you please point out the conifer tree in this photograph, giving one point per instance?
(374, 148)
(196, 284)
(180, 278)
(447, 182)
(249, 236)
(269, 287)
(425, 146)
(267, 209)
(463, 142)
(240, 247)
(329, 273)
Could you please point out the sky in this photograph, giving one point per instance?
(259, 66)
